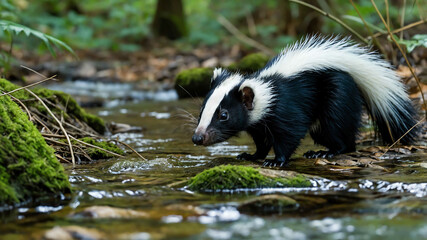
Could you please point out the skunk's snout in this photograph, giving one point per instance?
(197, 139)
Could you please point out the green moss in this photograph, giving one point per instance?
(28, 166)
(99, 154)
(297, 181)
(250, 63)
(233, 177)
(70, 105)
(196, 82)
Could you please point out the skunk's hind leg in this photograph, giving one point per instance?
(338, 135)
(338, 119)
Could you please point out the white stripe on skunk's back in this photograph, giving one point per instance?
(379, 84)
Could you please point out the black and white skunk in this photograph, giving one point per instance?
(317, 85)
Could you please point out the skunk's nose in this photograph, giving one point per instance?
(197, 139)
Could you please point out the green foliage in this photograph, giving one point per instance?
(193, 82)
(415, 41)
(233, 177)
(28, 166)
(15, 28)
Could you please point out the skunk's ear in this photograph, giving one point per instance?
(248, 98)
(218, 76)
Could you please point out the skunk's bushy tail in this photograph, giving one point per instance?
(393, 126)
(384, 94)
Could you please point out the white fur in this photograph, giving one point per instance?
(377, 82)
(263, 96)
(215, 99)
(216, 73)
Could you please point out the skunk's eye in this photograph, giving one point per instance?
(223, 116)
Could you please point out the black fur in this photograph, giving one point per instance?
(327, 103)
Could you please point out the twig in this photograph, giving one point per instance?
(374, 39)
(402, 19)
(85, 143)
(418, 123)
(34, 71)
(61, 158)
(60, 125)
(93, 146)
(127, 145)
(242, 37)
(331, 17)
(411, 25)
(403, 54)
(31, 85)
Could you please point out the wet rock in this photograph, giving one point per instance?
(234, 177)
(123, 128)
(72, 232)
(97, 212)
(269, 204)
(211, 62)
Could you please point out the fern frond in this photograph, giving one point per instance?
(11, 27)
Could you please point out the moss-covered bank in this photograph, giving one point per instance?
(59, 102)
(28, 166)
(196, 82)
(234, 177)
(193, 82)
(250, 63)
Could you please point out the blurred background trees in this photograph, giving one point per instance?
(126, 25)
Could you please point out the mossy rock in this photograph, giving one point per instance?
(250, 63)
(70, 107)
(226, 177)
(193, 82)
(28, 166)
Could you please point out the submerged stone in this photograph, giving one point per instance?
(28, 166)
(73, 232)
(193, 82)
(269, 204)
(97, 212)
(233, 177)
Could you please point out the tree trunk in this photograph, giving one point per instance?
(169, 20)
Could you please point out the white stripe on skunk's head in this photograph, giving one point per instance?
(223, 114)
(231, 106)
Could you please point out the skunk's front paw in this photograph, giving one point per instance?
(247, 157)
(318, 154)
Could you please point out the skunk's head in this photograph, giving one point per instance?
(225, 111)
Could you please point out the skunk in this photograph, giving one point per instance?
(318, 85)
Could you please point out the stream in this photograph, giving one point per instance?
(343, 203)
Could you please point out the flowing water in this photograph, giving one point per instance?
(343, 203)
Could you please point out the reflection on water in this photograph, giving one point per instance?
(354, 205)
